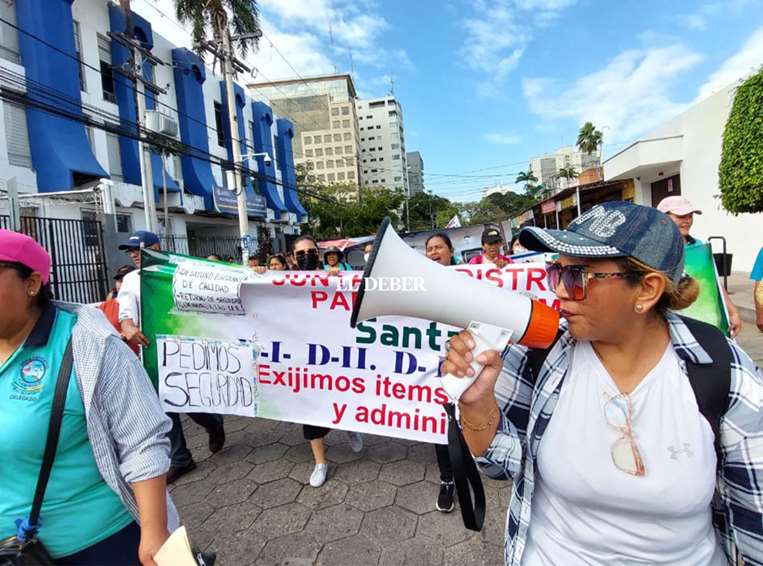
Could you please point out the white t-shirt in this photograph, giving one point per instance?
(129, 297)
(588, 511)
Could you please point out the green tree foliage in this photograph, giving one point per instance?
(589, 138)
(740, 174)
(568, 173)
(425, 209)
(207, 16)
(527, 178)
(336, 212)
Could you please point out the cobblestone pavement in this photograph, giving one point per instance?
(251, 502)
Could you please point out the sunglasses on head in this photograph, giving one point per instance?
(575, 278)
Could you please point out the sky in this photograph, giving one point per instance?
(487, 85)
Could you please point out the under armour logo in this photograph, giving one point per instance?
(674, 452)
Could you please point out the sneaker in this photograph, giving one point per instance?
(356, 441)
(176, 472)
(445, 503)
(318, 477)
(217, 440)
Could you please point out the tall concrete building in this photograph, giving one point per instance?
(383, 161)
(546, 167)
(415, 172)
(322, 109)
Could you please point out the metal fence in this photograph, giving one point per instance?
(222, 246)
(78, 270)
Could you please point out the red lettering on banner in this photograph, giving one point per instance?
(263, 372)
(278, 282)
(494, 275)
(514, 272)
(538, 276)
(340, 300)
(318, 297)
(467, 271)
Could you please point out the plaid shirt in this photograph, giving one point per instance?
(527, 409)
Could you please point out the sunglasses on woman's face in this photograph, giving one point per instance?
(304, 253)
(575, 278)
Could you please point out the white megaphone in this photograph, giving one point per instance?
(492, 315)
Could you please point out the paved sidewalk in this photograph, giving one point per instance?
(251, 502)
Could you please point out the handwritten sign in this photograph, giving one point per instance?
(209, 288)
(207, 376)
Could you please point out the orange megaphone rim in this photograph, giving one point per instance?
(542, 327)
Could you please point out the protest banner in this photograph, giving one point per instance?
(280, 346)
(709, 306)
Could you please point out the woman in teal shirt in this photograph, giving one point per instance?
(105, 501)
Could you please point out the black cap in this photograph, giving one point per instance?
(491, 236)
(333, 250)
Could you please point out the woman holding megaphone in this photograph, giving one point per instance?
(635, 438)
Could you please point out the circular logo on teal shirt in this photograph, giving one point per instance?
(30, 379)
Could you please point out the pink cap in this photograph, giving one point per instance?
(680, 206)
(18, 248)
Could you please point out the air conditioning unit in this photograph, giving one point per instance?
(161, 123)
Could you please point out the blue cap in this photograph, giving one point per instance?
(616, 229)
(143, 237)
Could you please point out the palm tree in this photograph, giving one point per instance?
(527, 178)
(589, 138)
(567, 173)
(213, 15)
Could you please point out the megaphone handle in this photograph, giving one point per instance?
(486, 337)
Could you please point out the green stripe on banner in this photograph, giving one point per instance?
(709, 305)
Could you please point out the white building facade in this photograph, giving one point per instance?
(383, 161)
(69, 125)
(546, 167)
(681, 157)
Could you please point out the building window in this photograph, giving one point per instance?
(219, 124)
(372, 138)
(340, 176)
(381, 149)
(374, 170)
(78, 50)
(348, 149)
(371, 149)
(351, 174)
(381, 159)
(107, 74)
(115, 159)
(365, 160)
(398, 179)
(384, 180)
(318, 152)
(362, 128)
(345, 110)
(330, 177)
(319, 164)
(308, 140)
(378, 127)
(369, 116)
(124, 223)
(345, 123)
(347, 136)
(177, 163)
(395, 146)
(308, 153)
(338, 150)
(337, 137)
(375, 181)
(373, 159)
(335, 124)
(363, 150)
(16, 135)
(9, 36)
(393, 113)
(327, 138)
(329, 164)
(321, 177)
(396, 156)
(335, 111)
(329, 151)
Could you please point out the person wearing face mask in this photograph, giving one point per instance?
(439, 248)
(308, 259)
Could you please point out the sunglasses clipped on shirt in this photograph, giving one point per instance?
(575, 278)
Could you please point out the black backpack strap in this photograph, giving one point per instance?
(535, 358)
(711, 383)
(51, 444)
(465, 474)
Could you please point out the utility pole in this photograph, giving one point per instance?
(431, 217)
(139, 55)
(226, 54)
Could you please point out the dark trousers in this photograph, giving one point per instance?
(120, 549)
(179, 453)
(310, 432)
(443, 462)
